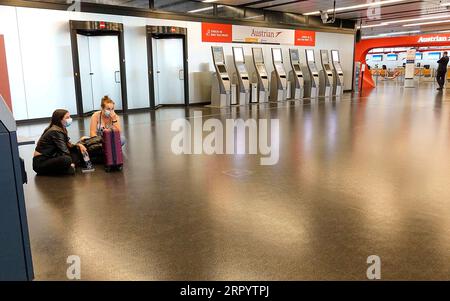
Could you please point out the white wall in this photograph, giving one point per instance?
(40, 62)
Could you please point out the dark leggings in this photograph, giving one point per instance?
(59, 165)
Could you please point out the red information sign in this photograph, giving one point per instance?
(305, 38)
(214, 32)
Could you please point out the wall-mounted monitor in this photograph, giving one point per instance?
(377, 57)
(310, 55)
(434, 55)
(277, 56)
(238, 54)
(335, 56)
(391, 57)
(258, 55)
(419, 56)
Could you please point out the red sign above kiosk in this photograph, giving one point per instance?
(214, 32)
(305, 38)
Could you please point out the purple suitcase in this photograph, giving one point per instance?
(112, 149)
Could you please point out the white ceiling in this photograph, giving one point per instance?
(406, 9)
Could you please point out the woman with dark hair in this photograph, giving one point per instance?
(54, 154)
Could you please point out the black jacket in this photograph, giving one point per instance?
(54, 142)
(443, 61)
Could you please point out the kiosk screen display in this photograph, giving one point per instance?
(277, 57)
(218, 55)
(238, 54)
(310, 55)
(258, 55)
(294, 56)
(335, 55)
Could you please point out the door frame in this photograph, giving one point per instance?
(166, 32)
(97, 28)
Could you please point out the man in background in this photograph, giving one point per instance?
(442, 70)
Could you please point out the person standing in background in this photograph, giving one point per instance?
(442, 70)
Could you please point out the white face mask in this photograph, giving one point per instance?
(107, 113)
(68, 122)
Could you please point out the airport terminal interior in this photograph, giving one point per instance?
(339, 148)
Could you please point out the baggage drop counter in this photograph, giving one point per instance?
(326, 75)
(261, 74)
(312, 88)
(296, 75)
(338, 86)
(278, 80)
(221, 82)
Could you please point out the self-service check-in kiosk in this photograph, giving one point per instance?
(278, 80)
(338, 74)
(221, 82)
(261, 74)
(296, 75)
(15, 252)
(243, 82)
(326, 75)
(312, 89)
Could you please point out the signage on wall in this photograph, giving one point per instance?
(227, 33)
(305, 38)
(433, 38)
(246, 34)
(102, 25)
(214, 32)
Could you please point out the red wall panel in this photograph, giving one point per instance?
(4, 79)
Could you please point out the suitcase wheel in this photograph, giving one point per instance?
(120, 167)
(107, 168)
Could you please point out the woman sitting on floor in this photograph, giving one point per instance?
(106, 118)
(54, 154)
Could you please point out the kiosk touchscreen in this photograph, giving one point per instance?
(278, 81)
(243, 83)
(312, 88)
(221, 84)
(296, 75)
(338, 74)
(326, 75)
(261, 74)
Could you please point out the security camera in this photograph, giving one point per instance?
(324, 16)
(326, 19)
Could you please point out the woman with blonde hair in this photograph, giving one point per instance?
(106, 118)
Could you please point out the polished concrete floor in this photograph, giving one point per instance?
(366, 175)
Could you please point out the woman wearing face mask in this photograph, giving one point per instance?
(54, 154)
(106, 118)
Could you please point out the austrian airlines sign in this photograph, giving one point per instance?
(434, 38)
(227, 33)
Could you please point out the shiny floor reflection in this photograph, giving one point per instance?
(365, 175)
